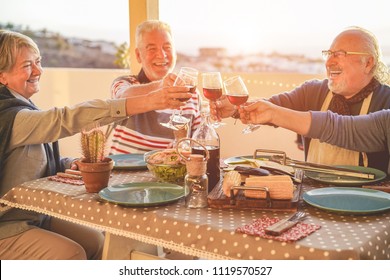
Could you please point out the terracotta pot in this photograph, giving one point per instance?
(95, 175)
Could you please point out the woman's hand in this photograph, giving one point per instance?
(159, 99)
(169, 97)
(73, 164)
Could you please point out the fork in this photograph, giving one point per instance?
(285, 224)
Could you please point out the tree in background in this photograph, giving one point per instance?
(123, 56)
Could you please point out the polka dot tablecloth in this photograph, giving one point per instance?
(206, 233)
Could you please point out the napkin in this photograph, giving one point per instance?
(66, 180)
(258, 226)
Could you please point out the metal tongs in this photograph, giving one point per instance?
(321, 168)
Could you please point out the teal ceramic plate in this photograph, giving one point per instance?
(142, 194)
(129, 161)
(347, 181)
(348, 200)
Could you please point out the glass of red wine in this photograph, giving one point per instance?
(187, 77)
(212, 89)
(238, 94)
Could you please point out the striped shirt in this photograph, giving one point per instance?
(143, 132)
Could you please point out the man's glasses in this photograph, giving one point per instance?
(339, 54)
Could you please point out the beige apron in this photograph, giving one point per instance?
(324, 153)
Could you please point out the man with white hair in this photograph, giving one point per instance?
(143, 132)
(355, 85)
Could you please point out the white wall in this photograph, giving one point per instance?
(68, 86)
(62, 86)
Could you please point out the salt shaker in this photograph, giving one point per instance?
(196, 182)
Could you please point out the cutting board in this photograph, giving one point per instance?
(217, 199)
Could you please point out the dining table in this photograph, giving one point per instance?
(203, 233)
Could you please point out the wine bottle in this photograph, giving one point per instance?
(206, 135)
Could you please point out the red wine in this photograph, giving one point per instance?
(212, 93)
(213, 164)
(191, 89)
(237, 99)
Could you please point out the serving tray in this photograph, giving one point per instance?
(217, 199)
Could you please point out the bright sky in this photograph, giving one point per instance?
(89, 19)
(267, 25)
(306, 26)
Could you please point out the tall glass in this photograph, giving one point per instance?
(212, 89)
(187, 77)
(238, 94)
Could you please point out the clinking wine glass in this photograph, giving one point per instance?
(238, 94)
(212, 89)
(187, 77)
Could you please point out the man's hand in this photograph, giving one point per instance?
(222, 108)
(258, 112)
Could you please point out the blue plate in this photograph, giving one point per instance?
(142, 194)
(347, 181)
(129, 161)
(348, 200)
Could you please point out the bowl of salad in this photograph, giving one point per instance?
(166, 165)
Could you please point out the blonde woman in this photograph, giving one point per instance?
(29, 150)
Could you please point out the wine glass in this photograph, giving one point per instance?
(237, 94)
(187, 77)
(212, 89)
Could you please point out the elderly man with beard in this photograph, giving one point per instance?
(355, 85)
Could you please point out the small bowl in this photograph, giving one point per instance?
(166, 165)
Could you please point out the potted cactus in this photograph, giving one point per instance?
(94, 166)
